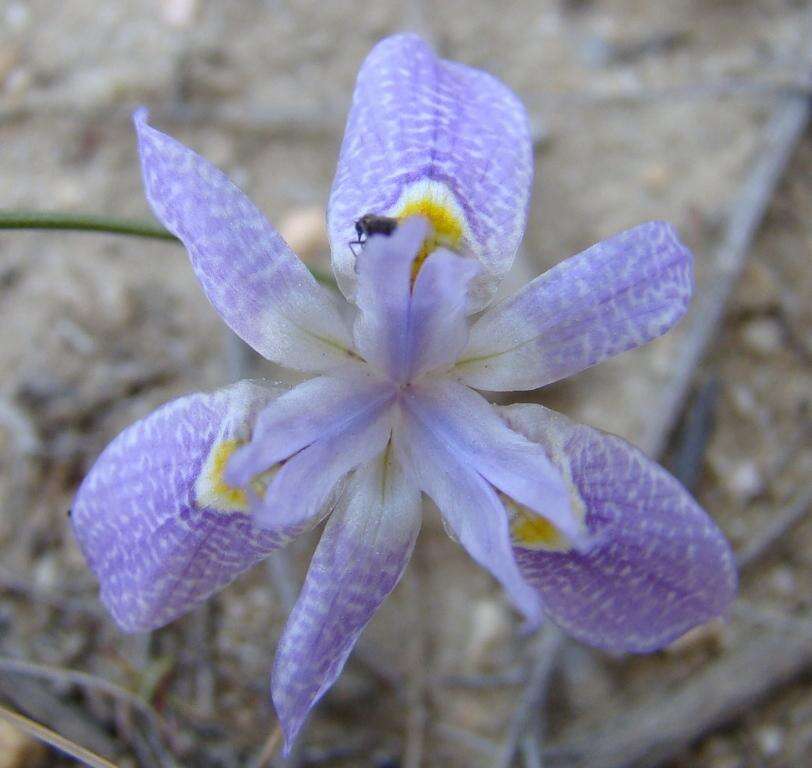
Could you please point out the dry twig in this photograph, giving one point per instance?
(505, 679)
(269, 748)
(470, 741)
(92, 682)
(67, 602)
(781, 524)
(694, 434)
(770, 617)
(545, 653)
(416, 681)
(785, 128)
(36, 701)
(658, 729)
(53, 739)
(327, 120)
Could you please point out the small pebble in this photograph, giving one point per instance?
(67, 192)
(770, 740)
(17, 83)
(763, 336)
(783, 581)
(490, 628)
(305, 231)
(178, 13)
(47, 572)
(655, 177)
(744, 480)
(18, 16)
(744, 400)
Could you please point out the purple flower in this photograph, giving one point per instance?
(574, 523)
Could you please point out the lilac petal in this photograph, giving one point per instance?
(384, 288)
(311, 411)
(156, 523)
(361, 556)
(615, 296)
(438, 326)
(471, 509)
(659, 565)
(257, 284)
(468, 426)
(404, 332)
(300, 491)
(435, 137)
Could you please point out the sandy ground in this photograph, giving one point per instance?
(644, 110)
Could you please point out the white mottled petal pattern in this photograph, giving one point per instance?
(362, 554)
(573, 523)
(257, 284)
(430, 136)
(658, 565)
(157, 525)
(615, 296)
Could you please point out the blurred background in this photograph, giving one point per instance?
(693, 111)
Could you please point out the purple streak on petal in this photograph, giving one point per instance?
(156, 553)
(438, 325)
(660, 565)
(257, 284)
(301, 490)
(363, 552)
(467, 425)
(311, 411)
(405, 332)
(384, 273)
(615, 296)
(469, 505)
(415, 117)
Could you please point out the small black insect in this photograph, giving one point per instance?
(372, 224)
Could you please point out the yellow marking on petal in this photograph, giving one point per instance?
(436, 202)
(533, 531)
(212, 490)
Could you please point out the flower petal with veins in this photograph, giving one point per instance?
(469, 505)
(299, 492)
(438, 328)
(571, 522)
(434, 138)
(659, 565)
(468, 426)
(258, 285)
(154, 519)
(615, 296)
(406, 330)
(316, 409)
(361, 556)
(384, 297)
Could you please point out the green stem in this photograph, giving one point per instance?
(88, 222)
(82, 222)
